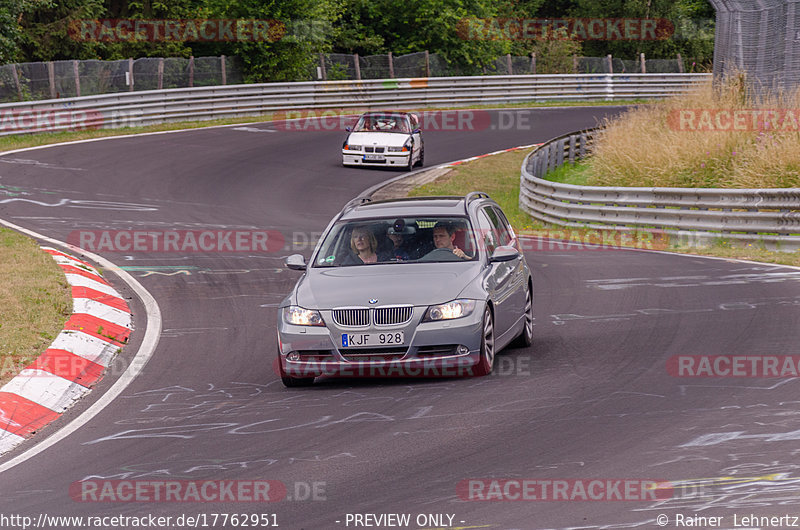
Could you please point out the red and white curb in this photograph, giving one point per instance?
(98, 328)
(470, 159)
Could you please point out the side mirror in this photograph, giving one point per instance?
(504, 253)
(296, 262)
(416, 131)
(348, 128)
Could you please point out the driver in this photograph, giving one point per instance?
(444, 235)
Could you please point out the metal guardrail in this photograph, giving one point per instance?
(233, 101)
(697, 215)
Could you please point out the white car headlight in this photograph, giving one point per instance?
(300, 316)
(349, 147)
(449, 311)
(395, 149)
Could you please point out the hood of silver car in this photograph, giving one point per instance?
(409, 283)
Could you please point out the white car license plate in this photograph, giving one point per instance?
(354, 340)
(375, 158)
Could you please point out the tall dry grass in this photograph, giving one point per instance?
(648, 147)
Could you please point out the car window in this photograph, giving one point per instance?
(396, 123)
(487, 232)
(397, 240)
(502, 234)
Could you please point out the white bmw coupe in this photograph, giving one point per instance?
(383, 138)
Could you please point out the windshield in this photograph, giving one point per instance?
(396, 123)
(397, 240)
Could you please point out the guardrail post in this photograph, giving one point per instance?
(51, 76)
(191, 71)
(610, 63)
(583, 145)
(15, 75)
(77, 75)
(358, 66)
(391, 66)
(572, 149)
(322, 66)
(680, 63)
(642, 61)
(509, 64)
(533, 62)
(560, 153)
(130, 74)
(160, 73)
(574, 63)
(224, 70)
(609, 87)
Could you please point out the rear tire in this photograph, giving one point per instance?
(486, 363)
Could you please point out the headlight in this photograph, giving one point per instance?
(395, 149)
(407, 145)
(352, 147)
(300, 316)
(449, 311)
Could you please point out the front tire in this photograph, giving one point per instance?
(486, 363)
(421, 160)
(293, 382)
(525, 338)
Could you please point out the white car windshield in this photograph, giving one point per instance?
(395, 123)
(397, 240)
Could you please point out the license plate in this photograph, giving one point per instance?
(377, 158)
(353, 340)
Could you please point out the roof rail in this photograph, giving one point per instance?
(358, 201)
(473, 195)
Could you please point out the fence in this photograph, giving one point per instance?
(233, 101)
(762, 215)
(761, 38)
(339, 66)
(66, 79)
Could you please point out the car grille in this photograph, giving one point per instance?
(381, 316)
(386, 316)
(372, 355)
(357, 317)
(371, 149)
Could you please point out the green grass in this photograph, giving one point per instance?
(566, 174)
(496, 175)
(35, 301)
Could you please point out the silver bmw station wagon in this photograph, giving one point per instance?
(429, 287)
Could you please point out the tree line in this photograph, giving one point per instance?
(283, 37)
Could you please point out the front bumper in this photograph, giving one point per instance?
(390, 159)
(432, 349)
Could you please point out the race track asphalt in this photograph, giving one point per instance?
(591, 399)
